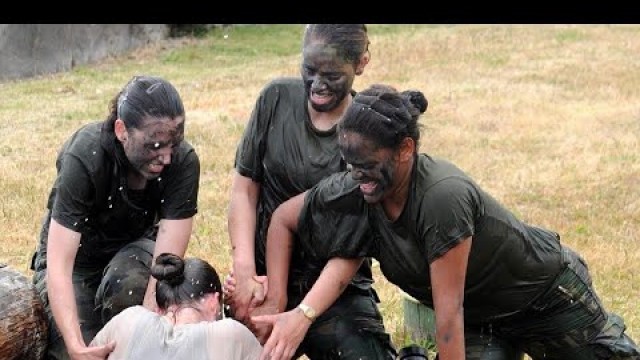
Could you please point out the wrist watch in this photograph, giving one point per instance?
(307, 311)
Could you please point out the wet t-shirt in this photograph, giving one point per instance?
(90, 195)
(286, 154)
(142, 334)
(510, 262)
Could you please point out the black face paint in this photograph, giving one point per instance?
(327, 77)
(150, 148)
(371, 166)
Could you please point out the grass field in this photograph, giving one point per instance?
(544, 117)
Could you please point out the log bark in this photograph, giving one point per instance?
(23, 321)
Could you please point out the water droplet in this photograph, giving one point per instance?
(156, 145)
(191, 295)
(110, 206)
(120, 188)
(118, 281)
(130, 292)
(94, 152)
(75, 223)
(162, 201)
(159, 178)
(109, 198)
(86, 219)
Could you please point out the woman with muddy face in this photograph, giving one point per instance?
(290, 143)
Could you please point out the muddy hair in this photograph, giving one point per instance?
(183, 281)
(144, 96)
(350, 40)
(386, 116)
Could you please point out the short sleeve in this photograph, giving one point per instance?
(251, 149)
(333, 221)
(448, 212)
(75, 193)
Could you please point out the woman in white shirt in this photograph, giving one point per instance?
(189, 325)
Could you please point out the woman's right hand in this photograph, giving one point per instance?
(243, 294)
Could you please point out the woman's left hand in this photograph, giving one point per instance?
(288, 331)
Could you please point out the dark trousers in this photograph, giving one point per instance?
(567, 322)
(351, 329)
(100, 292)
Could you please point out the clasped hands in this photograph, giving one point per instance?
(250, 303)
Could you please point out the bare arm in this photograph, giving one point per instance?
(173, 237)
(289, 328)
(241, 225)
(62, 247)
(448, 279)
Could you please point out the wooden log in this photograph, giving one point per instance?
(23, 321)
(419, 320)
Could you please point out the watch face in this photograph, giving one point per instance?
(308, 311)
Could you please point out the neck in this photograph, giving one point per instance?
(184, 315)
(135, 180)
(327, 119)
(393, 203)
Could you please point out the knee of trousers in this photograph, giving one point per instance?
(124, 280)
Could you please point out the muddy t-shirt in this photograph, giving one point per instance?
(90, 195)
(509, 264)
(286, 154)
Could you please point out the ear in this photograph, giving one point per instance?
(120, 130)
(407, 149)
(215, 304)
(364, 60)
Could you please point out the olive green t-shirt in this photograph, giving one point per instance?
(286, 154)
(510, 262)
(90, 195)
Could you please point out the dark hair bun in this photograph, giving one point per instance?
(169, 268)
(418, 99)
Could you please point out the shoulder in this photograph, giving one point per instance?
(337, 190)
(185, 153)
(85, 141)
(283, 86)
(231, 329)
(439, 184)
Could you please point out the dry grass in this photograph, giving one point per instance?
(545, 117)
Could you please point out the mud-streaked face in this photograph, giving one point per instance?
(150, 148)
(371, 166)
(327, 77)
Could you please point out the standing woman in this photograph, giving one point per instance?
(290, 143)
(500, 288)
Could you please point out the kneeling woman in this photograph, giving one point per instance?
(499, 287)
(189, 326)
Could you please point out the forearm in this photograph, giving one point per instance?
(333, 279)
(63, 306)
(279, 249)
(62, 247)
(173, 237)
(241, 224)
(450, 337)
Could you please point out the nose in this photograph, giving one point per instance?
(318, 84)
(165, 156)
(356, 174)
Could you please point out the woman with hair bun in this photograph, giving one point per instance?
(500, 288)
(189, 324)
